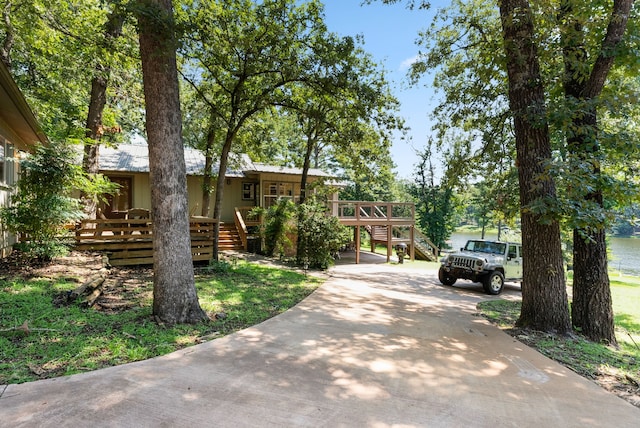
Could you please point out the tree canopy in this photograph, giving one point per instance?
(53, 49)
(585, 60)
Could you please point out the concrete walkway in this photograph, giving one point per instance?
(376, 346)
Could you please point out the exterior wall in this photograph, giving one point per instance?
(141, 197)
(18, 126)
(140, 190)
(288, 186)
(141, 194)
(238, 192)
(232, 197)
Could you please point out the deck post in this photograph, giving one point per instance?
(373, 241)
(412, 250)
(357, 244)
(389, 243)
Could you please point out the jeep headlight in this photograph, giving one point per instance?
(479, 264)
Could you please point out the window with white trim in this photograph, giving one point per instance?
(7, 163)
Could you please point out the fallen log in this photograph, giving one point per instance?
(87, 288)
(91, 298)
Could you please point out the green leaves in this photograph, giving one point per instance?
(463, 49)
(43, 203)
(56, 48)
(274, 79)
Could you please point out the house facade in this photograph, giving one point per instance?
(247, 183)
(19, 132)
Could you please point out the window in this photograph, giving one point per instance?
(7, 163)
(276, 191)
(248, 191)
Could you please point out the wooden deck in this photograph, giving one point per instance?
(358, 213)
(378, 218)
(130, 241)
(389, 223)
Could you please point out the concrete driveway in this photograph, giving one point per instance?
(376, 346)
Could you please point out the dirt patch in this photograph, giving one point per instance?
(123, 288)
(622, 386)
(76, 266)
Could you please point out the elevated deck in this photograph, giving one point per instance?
(390, 223)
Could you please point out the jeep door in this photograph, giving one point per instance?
(513, 264)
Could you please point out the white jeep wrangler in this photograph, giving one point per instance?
(489, 262)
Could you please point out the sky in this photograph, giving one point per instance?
(390, 32)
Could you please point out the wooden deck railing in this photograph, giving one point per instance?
(359, 213)
(241, 227)
(130, 241)
(249, 220)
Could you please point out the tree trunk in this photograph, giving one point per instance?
(207, 176)
(174, 293)
(592, 308)
(7, 44)
(545, 304)
(311, 143)
(90, 162)
(217, 207)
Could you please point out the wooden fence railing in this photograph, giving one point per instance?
(130, 241)
(359, 213)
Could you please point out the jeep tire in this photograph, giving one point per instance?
(493, 282)
(445, 278)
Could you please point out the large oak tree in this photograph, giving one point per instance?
(580, 47)
(585, 73)
(174, 293)
(243, 59)
(544, 295)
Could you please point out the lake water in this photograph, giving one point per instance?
(624, 253)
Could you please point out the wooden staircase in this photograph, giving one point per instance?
(424, 248)
(229, 238)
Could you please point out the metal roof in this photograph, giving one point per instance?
(135, 158)
(264, 168)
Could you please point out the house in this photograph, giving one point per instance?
(19, 132)
(247, 183)
(250, 184)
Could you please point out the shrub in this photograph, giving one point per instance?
(42, 204)
(320, 235)
(279, 226)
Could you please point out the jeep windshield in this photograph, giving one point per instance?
(486, 247)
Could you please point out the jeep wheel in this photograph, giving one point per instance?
(445, 278)
(493, 283)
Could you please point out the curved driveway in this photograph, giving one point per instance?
(376, 346)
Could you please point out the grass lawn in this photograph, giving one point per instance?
(71, 339)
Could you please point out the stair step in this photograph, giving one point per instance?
(228, 238)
